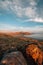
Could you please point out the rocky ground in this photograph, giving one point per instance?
(20, 51)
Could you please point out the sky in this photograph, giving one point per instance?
(21, 15)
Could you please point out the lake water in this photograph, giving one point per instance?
(35, 36)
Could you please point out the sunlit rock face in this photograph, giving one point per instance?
(35, 52)
(14, 58)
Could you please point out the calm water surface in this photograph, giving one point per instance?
(36, 36)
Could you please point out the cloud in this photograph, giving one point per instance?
(30, 12)
(38, 20)
(35, 20)
(22, 9)
(6, 27)
(17, 7)
(10, 28)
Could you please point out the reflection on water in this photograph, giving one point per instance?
(36, 36)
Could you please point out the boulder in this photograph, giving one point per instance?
(14, 58)
(35, 52)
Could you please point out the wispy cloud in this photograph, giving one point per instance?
(10, 28)
(35, 20)
(17, 7)
(6, 27)
(22, 8)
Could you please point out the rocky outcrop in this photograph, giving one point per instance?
(14, 58)
(35, 52)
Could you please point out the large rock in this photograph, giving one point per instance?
(35, 52)
(14, 58)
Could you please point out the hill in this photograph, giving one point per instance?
(14, 33)
(11, 42)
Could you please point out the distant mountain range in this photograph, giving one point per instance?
(14, 33)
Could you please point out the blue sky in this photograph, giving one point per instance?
(21, 15)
